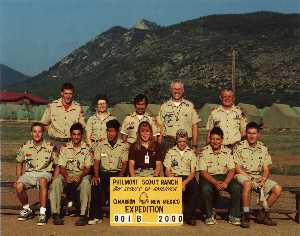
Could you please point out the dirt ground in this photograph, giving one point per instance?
(286, 226)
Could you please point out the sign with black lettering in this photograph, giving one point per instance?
(146, 201)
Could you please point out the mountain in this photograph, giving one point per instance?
(122, 62)
(146, 25)
(9, 76)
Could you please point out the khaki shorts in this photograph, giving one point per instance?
(269, 184)
(31, 179)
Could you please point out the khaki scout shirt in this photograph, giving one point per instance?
(216, 162)
(111, 158)
(173, 118)
(37, 158)
(75, 160)
(131, 123)
(181, 164)
(251, 159)
(231, 121)
(96, 126)
(61, 120)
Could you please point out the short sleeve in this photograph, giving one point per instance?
(193, 162)
(88, 127)
(210, 122)
(195, 117)
(124, 154)
(202, 166)
(20, 155)
(267, 159)
(124, 125)
(81, 119)
(230, 162)
(97, 153)
(62, 159)
(168, 162)
(88, 160)
(132, 153)
(237, 155)
(46, 118)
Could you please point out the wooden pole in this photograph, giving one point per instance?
(233, 82)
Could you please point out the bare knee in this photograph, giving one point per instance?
(19, 187)
(277, 189)
(43, 182)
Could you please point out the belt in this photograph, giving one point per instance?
(109, 171)
(141, 170)
(61, 139)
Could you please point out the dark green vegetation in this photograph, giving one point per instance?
(9, 76)
(123, 62)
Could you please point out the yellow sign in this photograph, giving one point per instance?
(146, 201)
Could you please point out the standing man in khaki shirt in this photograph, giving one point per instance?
(74, 162)
(131, 122)
(110, 160)
(38, 157)
(252, 166)
(178, 113)
(217, 170)
(61, 114)
(181, 161)
(229, 118)
(96, 124)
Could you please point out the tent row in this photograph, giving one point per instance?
(278, 116)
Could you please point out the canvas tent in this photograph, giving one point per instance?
(251, 112)
(205, 111)
(297, 110)
(281, 116)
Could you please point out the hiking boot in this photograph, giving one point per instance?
(245, 220)
(57, 220)
(42, 219)
(94, 221)
(210, 221)
(234, 220)
(260, 216)
(83, 220)
(268, 221)
(25, 214)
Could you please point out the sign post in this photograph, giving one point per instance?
(146, 201)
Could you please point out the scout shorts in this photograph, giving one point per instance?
(31, 179)
(268, 185)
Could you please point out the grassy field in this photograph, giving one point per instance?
(283, 145)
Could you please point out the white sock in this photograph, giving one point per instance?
(43, 211)
(246, 209)
(70, 204)
(26, 206)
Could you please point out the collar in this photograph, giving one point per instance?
(134, 114)
(107, 114)
(118, 143)
(170, 102)
(59, 104)
(184, 150)
(70, 145)
(43, 145)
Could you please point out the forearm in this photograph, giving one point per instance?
(266, 173)
(131, 168)
(229, 176)
(195, 135)
(85, 172)
(157, 168)
(123, 168)
(19, 168)
(63, 172)
(208, 177)
(189, 178)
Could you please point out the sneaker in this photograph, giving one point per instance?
(94, 221)
(268, 221)
(234, 220)
(210, 221)
(83, 220)
(245, 223)
(57, 220)
(42, 219)
(25, 214)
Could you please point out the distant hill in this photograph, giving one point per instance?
(9, 76)
(123, 62)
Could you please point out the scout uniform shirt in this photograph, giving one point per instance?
(111, 158)
(181, 163)
(252, 159)
(173, 117)
(37, 157)
(61, 120)
(216, 162)
(96, 125)
(75, 159)
(231, 121)
(131, 123)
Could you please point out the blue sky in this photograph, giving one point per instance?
(35, 34)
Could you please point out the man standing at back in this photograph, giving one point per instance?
(61, 114)
(178, 113)
(229, 118)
